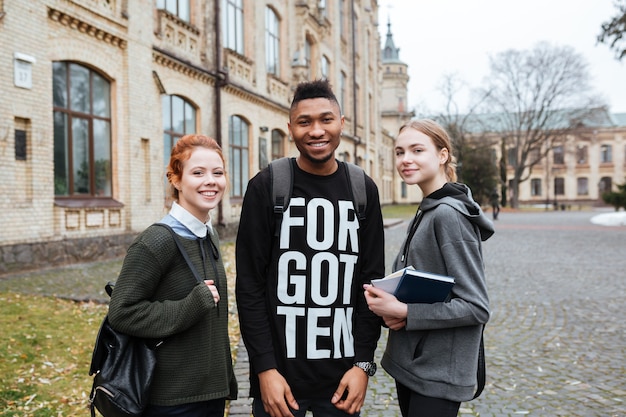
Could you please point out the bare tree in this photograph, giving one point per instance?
(475, 166)
(614, 31)
(536, 98)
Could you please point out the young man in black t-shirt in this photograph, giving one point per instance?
(303, 317)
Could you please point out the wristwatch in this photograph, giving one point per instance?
(368, 367)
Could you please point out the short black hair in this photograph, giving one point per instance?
(314, 89)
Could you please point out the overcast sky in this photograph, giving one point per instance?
(458, 36)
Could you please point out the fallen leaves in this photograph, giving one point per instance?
(45, 349)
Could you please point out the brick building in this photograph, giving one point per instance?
(97, 91)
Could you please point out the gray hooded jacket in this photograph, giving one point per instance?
(436, 354)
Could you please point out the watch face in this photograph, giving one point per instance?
(372, 369)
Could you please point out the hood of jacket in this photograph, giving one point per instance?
(459, 197)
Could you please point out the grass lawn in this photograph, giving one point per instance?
(399, 211)
(46, 341)
(45, 352)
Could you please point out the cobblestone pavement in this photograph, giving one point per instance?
(556, 341)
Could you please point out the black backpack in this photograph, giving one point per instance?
(281, 173)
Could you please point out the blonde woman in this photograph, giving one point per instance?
(432, 349)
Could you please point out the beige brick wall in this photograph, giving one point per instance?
(145, 53)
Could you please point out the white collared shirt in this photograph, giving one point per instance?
(184, 222)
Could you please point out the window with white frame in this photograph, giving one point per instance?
(511, 157)
(179, 119)
(559, 186)
(325, 67)
(535, 187)
(581, 154)
(82, 131)
(233, 25)
(582, 186)
(322, 8)
(558, 155)
(342, 17)
(606, 154)
(343, 91)
(238, 138)
(308, 52)
(272, 42)
(278, 140)
(179, 8)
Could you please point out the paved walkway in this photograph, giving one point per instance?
(556, 342)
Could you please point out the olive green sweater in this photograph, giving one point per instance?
(156, 296)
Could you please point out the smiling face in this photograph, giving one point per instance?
(419, 161)
(202, 182)
(315, 126)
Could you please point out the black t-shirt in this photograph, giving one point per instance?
(299, 294)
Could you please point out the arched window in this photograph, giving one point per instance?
(238, 134)
(325, 67)
(233, 25)
(179, 119)
(272, 42)
(82, 131)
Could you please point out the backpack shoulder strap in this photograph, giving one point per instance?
(356, 179)
(281, 174)
(182, 250)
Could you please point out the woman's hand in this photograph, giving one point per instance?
(211, 284)
(387, 306)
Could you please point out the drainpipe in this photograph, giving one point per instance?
(354, 83)
(219, 82)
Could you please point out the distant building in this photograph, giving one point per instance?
(588, 158)
(592, 160)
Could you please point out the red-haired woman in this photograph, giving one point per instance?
(156, 295)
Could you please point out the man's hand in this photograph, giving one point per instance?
(350, 394)
(276, 394)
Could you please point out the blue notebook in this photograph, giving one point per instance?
(410, 286)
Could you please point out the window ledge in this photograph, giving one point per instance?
(87, 202)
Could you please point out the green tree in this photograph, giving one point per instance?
(617, 198)
(614, 31)
(479, 171)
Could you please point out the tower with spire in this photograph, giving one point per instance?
(395, 78)
(394, 113)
